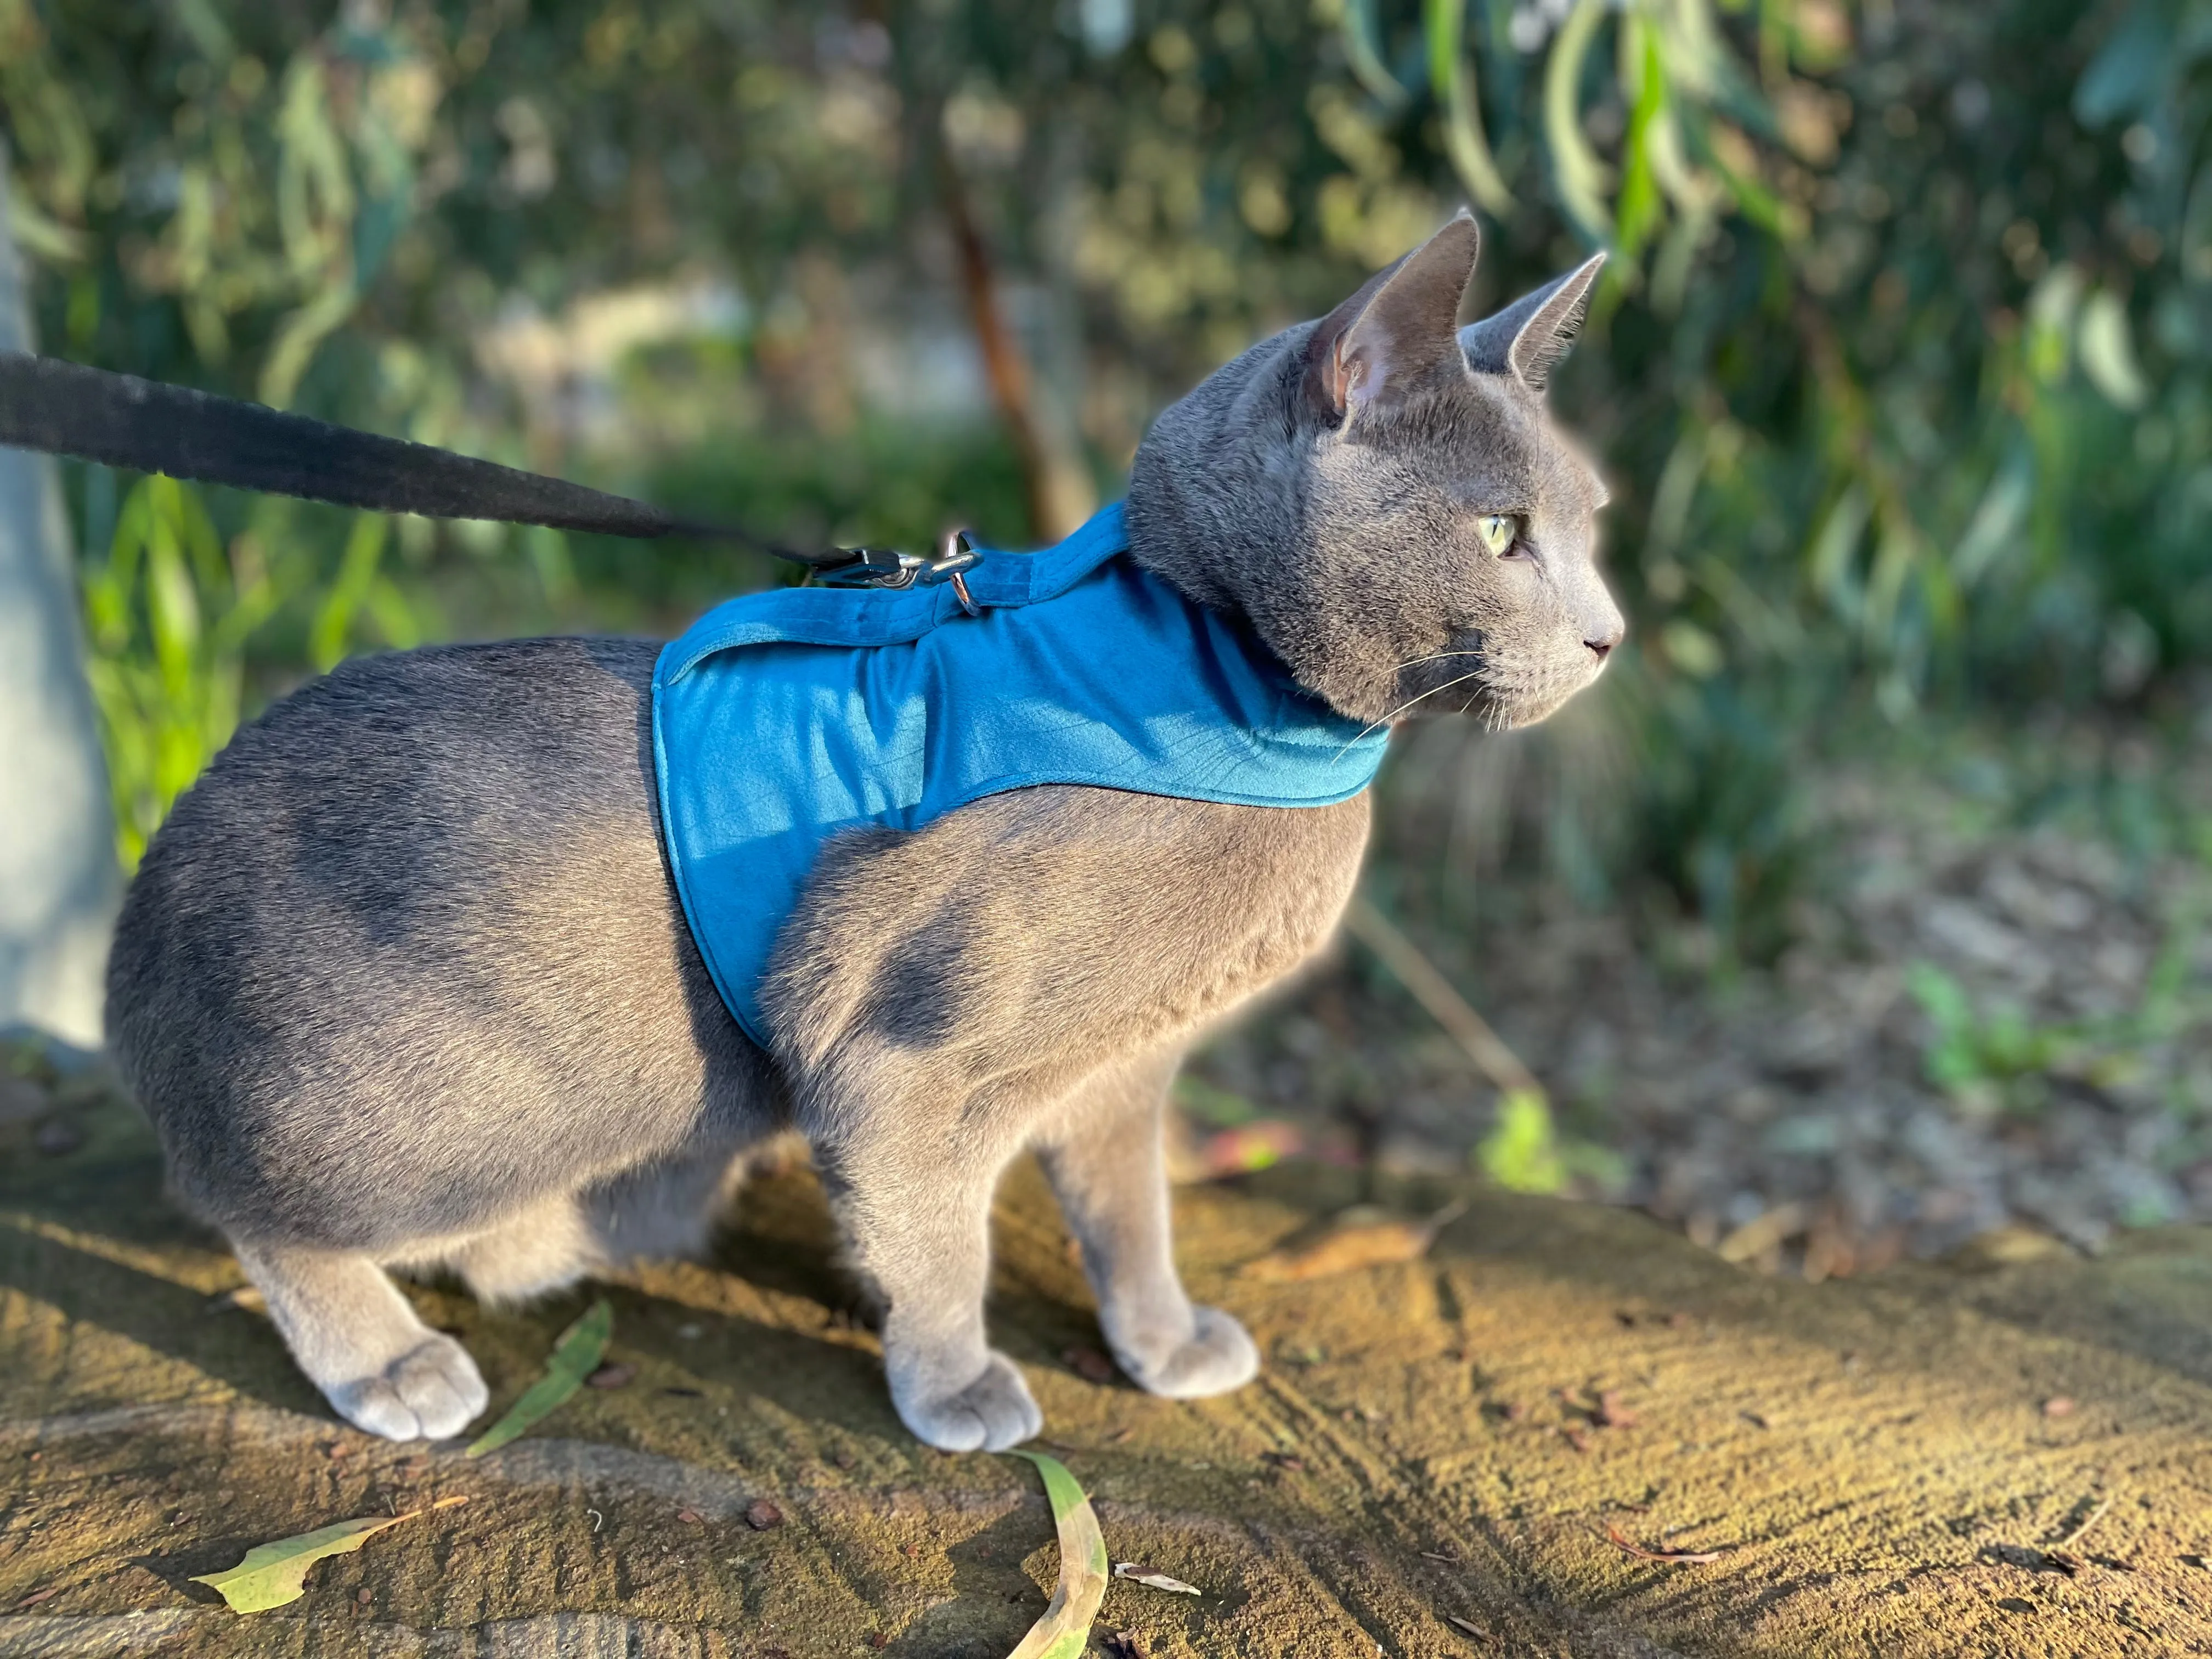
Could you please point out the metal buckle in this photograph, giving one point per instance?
(886, 567)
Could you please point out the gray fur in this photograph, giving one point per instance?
(403, 983)
(1528, 338)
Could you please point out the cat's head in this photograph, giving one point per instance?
(1384, 495)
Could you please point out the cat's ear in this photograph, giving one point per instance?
(1396, 330)
(1529, 337)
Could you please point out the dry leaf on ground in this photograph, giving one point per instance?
(575, 1357)
(275, 1574)
(1153, 1578)
(1065, 1630)
(1362, 1236)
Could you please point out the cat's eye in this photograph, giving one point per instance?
(1499, 531)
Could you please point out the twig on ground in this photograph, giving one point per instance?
(2094, 1516)
(1412, 969)
(1676, 1558)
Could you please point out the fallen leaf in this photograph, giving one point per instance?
(1467, 1625)
(275, 1574)
(1153, 1578)
(691, 1517)
(37, 1596)
(1289, 1462)
(760, 1515)
(613, 1375)
(1763, 1233)
(1065, 1630)
(1678, 1557)
(1249, 1146)
(2058, 1405)
(575, 1357)
(1359, 1237)
(1090, 1364)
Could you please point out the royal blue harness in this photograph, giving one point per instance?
(784, 718)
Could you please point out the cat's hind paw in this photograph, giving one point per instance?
(431, 1392)
(1219, 1356)
(991, 1414)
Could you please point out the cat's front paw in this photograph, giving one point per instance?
(989, 1414)
(1219, 1356)
(429, 1393)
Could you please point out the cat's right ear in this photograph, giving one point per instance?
(1529, 337)
(1396, 330)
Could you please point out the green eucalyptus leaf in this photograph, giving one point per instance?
(276, 1575)
(1065, 1631)
(575, 1357)
(1576, 169)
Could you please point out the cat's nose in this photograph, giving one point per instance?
(1602, 646)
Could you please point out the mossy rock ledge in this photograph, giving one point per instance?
(1432, 1463)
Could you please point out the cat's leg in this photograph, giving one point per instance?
(914, 1203)
(360, 1342)
(1103, 1155)
(545, 1248)
(657, 1211)
(664, 1210)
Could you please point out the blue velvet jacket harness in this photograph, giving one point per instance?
(783, 718)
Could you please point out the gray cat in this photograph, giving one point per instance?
(403, 982)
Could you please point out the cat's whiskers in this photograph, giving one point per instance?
(1403, 707)
(1434, 656)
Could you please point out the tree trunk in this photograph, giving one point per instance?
(58, 880)
(1059, 494)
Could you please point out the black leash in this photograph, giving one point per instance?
(66, 408)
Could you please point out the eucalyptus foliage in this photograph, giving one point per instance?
(1900, 363)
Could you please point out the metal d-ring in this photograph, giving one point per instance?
(956, 557)
(883, 568)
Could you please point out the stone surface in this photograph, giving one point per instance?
(1872, 1456)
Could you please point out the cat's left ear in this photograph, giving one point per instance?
(1529, 337)
(1396, 331)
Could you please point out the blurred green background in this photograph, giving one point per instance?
(1855, 912)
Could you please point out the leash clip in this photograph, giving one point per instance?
(886, 567)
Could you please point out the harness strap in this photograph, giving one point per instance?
(66, 408)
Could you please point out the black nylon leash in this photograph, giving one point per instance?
(94, 414)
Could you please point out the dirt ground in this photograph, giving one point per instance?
(2057, 885)
(1894, 1464)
